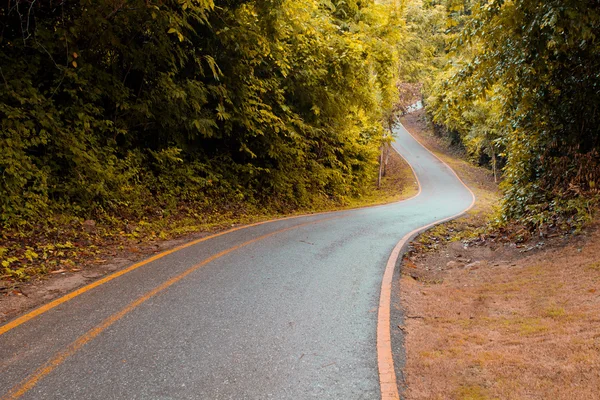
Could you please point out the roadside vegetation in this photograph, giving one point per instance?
(149, 120)
(512, 87)
(519, 91)
(497, 313)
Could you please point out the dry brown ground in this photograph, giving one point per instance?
(490, 320)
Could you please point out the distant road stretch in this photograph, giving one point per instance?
(282, 310)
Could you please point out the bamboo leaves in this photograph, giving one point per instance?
(522, 81)
(117, 107)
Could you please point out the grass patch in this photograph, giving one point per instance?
(471, 392)
(594, 266)
(398, 184)
(555, 312)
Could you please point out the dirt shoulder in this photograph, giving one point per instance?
(479, 180)
(490, 319)
(77, 254)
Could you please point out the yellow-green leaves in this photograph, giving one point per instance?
(184, 103)
(522, 83)
(174, 31)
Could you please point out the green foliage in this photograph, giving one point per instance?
(425, 46)
(522, 80)
(124, 108)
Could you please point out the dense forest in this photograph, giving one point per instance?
(520, 89)
(120, 109)
(133, 107)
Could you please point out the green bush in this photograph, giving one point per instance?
(120, 107)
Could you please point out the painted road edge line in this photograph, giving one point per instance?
(71, 295)
(385, 360)
(30, 381)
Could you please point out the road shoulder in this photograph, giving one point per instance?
(90, 255)
(489, 318)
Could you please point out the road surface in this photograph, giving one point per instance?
(282, 310)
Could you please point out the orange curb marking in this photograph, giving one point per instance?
(385, 359)
(29, 382)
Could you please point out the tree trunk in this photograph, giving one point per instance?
(494, 165)
(380, 168)
(387, 149)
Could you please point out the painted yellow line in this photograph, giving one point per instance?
(47, 307)
(27, 384)
(385, 359)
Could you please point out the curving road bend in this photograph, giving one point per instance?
(282, 310)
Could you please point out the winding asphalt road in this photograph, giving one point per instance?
(282, 310)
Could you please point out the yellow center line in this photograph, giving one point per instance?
(29, 382)
(47, 307)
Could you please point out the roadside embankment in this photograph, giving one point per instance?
(490, 318)
(40, 265)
